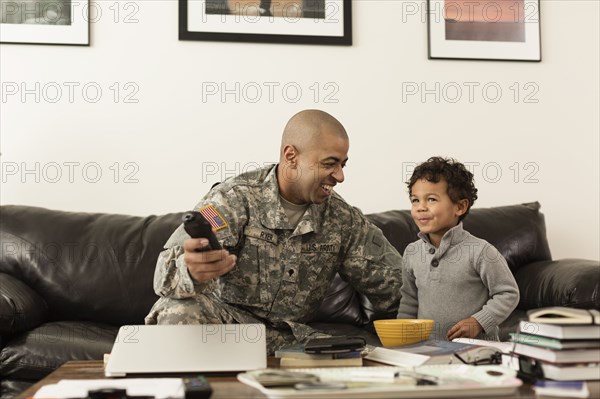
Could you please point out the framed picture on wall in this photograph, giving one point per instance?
(484, 29)
(45, 22)
(267, 21)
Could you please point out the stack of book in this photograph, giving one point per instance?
(295, 356)
(564, 341)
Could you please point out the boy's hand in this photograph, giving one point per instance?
(467, 328)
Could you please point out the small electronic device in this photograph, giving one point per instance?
(335, 345)
(197, 226)
(277, 378)
(110, 393)
(196, 388)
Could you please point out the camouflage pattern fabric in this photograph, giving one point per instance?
(202, 309)
(282, 273)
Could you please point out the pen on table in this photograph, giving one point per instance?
(378, 375)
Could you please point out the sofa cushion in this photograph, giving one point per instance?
(36, 353)
(21, 308)
(565, 282)
(85, 266)
(517, 231)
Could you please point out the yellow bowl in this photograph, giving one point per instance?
(397, 332)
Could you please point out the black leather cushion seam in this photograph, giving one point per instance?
(36, 250)
(21, 308)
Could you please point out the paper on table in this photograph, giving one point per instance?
(160, 388)
(505, 347)
(396, 358)
(454, 381)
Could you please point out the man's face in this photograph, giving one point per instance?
(319, 169)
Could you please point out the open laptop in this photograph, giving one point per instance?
(141, 349)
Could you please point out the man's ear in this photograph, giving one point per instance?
(290, 155)
(461, 207)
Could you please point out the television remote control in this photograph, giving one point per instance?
(198, 227)
(197, 388)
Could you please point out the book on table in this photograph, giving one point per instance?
(559, 331)
(562, 323)
(553, 343)
(295, 356)
(558, 355)
(297, 352)
(571, 371)
(288, 362)
(571, 389)
(564, 315)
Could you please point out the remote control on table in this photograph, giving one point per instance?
(197, 388)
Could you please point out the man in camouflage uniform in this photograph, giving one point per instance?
(292, 233)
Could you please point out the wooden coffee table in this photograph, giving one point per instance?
(223, 386)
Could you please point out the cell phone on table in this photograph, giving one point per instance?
(196, 225)
(334, 345)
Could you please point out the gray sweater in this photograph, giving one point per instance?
(466, 276)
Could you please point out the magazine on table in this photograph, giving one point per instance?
(433, 352)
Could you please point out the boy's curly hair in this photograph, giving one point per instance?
(459, 179)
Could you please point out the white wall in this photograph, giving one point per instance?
(171, 139)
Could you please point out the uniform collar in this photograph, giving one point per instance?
(272, 214)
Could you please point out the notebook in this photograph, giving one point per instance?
(140, 349)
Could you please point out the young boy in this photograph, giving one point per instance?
(460, 281)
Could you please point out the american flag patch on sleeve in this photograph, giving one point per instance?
(214, 217)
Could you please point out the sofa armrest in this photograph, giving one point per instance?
(565, 282)
(21, 308)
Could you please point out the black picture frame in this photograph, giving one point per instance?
(55, 22)
(328, 22)
(486, 30)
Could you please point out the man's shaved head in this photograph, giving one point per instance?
(314, 151)
(304, 130)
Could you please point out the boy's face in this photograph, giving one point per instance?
(432, 209)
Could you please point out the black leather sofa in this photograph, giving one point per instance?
(69, 280)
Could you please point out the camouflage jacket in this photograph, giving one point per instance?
(282, 273)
